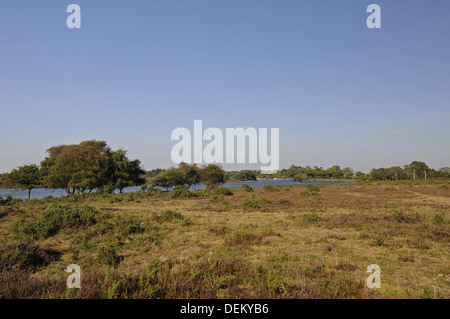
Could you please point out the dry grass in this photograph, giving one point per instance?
(290, 243)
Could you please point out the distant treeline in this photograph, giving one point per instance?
(415, 170)
(94, 165)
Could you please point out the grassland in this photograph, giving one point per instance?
(294, 242)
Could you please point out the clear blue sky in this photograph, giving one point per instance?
(339, 92)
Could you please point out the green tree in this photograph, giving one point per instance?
(212, 175)
(161, 180)
(361, 176)
(27, 176)
(335, 172)
(378, 174)
(347, 173)
(123, 172)
(175, 177)
(89, 165)
(246, 175)
(417, 170)
(395, 173)
(76, 168)
(300, 177)
(444, 172)
(190, 174)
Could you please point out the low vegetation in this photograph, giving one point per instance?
(295, 242)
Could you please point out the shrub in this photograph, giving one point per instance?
(313, 189)
(154, 191)
(271, 188)
(9, 200)
(58, 217)
(167, 216)
(246, 188)
(107, 255)
(181, 192)
(129, 225)
(223, 205)
(223, 191)
(252, 202)
(18, 255)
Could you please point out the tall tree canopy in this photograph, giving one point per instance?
(188, 175)
(27, 176)
(89, 165)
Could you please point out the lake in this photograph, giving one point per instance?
(40, 193)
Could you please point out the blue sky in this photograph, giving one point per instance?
(340, 93)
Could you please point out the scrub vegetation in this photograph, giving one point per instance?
(275, 242)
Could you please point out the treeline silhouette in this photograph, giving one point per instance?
(413, 171)
(93, 165)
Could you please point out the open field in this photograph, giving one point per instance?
(293, 242)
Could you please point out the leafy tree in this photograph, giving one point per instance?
(175, 177)
(77, 167)
(378, 174)
(154, 172)
(161, 180)
(27, 176)
(395, 173)
(88, 165)
(335, 172)
(417, 170)
(444, 172)
(347, 173)
(246, 175)
(360, 175)
(123, 172)
(300, 177)
(190, 174)
(212, 175)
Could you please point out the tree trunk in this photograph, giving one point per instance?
(29, 193)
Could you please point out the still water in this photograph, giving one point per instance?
(40, 193)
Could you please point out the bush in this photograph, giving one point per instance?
(58, 217)
(181, 192)
(18, 255)
(313, 189)
(223, 191)
(252, 202)
(107, 255)
(271, 188)
(126, 226)
(167, 216)
(246, 188)
(155, 191)
(9, 200)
